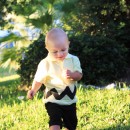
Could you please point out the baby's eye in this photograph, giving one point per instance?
(63, 50)
(54, 52)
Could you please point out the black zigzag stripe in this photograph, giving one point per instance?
(57, 96)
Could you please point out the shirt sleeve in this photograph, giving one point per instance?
(41, 72)
(77, 66)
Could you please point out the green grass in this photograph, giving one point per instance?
(96, 109)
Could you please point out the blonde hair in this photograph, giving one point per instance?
(54, 33)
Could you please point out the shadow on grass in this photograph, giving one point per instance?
(9, 93)
(9, 83)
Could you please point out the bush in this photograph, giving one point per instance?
(103, 60)
(28, 65)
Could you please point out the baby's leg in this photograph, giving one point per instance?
(55, 115)
(55, 127)
(70, 116)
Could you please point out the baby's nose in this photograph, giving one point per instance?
(60, 54)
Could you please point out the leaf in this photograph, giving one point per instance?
(9, 58)
(39, 22)
(68, 7)
(11, 37)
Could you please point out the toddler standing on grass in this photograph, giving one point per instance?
(59, 72)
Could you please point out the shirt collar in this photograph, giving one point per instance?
(53, 59)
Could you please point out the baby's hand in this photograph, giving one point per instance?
(67, 74)
(30, 94)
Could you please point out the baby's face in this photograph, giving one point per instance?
(58, 49)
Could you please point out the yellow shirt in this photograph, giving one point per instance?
(49, 72)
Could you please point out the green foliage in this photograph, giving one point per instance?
(9, 57)
(102, 59)
(34, 14)
(104, 18)
(98, 17)
(41, 14)
(69, 6)
(96, 109)
(101, 30)
(39, 22)
(28, 64)
(5, 8)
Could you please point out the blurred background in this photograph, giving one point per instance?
(99, 32)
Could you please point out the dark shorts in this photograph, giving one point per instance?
(62, 115)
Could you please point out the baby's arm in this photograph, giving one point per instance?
(76, 76)
(35, 87)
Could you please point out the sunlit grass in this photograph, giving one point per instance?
(11, 77)
(96, 109)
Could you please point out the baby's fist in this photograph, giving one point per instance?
(67, 74)
(30, 94)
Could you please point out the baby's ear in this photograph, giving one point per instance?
(68, 42)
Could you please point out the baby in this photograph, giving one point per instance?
(59, 72)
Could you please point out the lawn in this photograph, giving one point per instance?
(96, 109)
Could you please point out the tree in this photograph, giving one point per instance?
(36, 14)
(4, 10)
(98, 17)
(110, 19)
(108, 22)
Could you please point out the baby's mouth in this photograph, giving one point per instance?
(60, 57)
